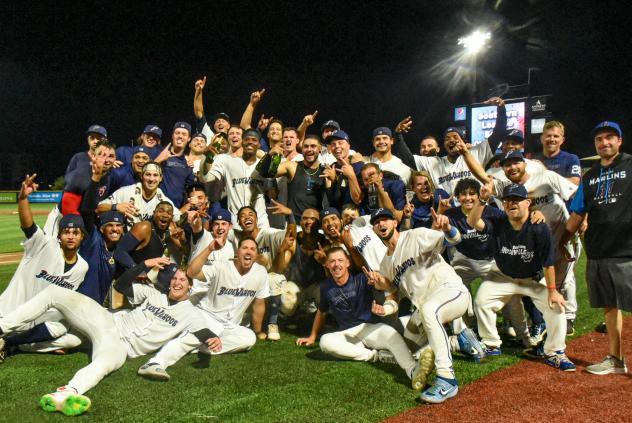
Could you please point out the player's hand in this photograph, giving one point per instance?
(440, 221)
(461, 147)
(128, 209)
(164, 154)
(319, 254)
(404, 125)
(279, 208)
(255, 97)
(346, 169)
(445, 204)
(159, 262)
(97, 162)
(264, 122)
(566, 252)
(28, 186)
(537, 217)
(214, 344)
(408, 209)
(217, 243)
(346, 238)
(308, 120)
(375, 279)
(194, 219)
(329, 172)
(305, 342)
(117, 164)
(176, 232)
(583, 227)
(487, 190)
(556, 298)
(377, 309)
(200, 83)
(495, 101)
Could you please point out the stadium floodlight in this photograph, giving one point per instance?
(475, 42)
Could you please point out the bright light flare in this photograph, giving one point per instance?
(475, 42)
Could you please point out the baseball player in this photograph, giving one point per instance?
(95, 133)
(524, 256)
(413, 266)
(383, 156)
(138, 202)
(149, 140)
(177, 174)
(163, 313)
(228, 289)
(221, 227)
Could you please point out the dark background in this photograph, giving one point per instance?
(66, 65)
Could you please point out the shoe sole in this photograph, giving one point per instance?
(160, 377)
(73, 405)
(434, 400)
(426, 366)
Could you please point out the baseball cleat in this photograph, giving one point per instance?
(153, 371)
(439, 392)
(537, 332)
(535, 352)
(570, 327)
(273, 332)
(470, 345)
(609, 365)
(559, 360)
(493, 351)
(424, 368)
(65, 400)
(385, 356)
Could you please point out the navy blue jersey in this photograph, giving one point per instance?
(350, 303)
(523, 253)
(564, 164)
(101, 267)
(121, 177)
(124, 153)
(422, 216)
(78, 182)
(78, 160)
(177, 176)
(475, 245)
(395, 189)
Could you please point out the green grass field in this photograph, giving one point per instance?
(275, 382)
(10, 233)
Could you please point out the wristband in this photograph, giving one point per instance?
(390, 307)
(114, 207)
(551, 288)
(452, 232)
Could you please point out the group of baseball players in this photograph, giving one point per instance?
(202, 242)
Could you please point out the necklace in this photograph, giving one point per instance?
(313, 173)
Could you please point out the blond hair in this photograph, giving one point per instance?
(553, 124)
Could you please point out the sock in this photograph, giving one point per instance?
(38, 333)
(275, 307)
(452, 382)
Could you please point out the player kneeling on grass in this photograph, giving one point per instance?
(524, 256)
(164, 313)
(362, 337)
(414, 266)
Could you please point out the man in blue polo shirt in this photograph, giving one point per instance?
(560, 162)
(177, 174)
(524, 256)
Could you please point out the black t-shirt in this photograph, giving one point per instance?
(523, 253)
(475, 245)
(350, 303)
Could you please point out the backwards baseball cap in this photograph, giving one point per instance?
(97, 129)
(220, 115)
(512, 155)
(163, 280)
(71, 221)
(330, 124)
(183, 125)
(252, 133)
(459, 131)
(605, 125)
(221, 214)
(338, 134)
(111, 217)
(515, 190)
(199, 135)
(382, 130)
(153, 129)
(140, 149)
(329, 211)
(380, 213)
(515, 134)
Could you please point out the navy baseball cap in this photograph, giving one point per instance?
(605, 125)
(111, 217)
(516, 191)
(71, 221)
(459, 131)
(380, 213)
(330, 124)
(220, 115)
(515, 134)
(183, 125)
(97, 129)
(338, 134)
(382, 130)
(328, 212)
(140, 149)
(252, 133)
(221, 214)
(199, 135)
(512, 155)
(163, 280)
(153, 129)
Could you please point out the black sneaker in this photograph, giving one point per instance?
(570, 327)
(601, 328)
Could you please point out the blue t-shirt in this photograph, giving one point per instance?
(350, 303)
(177, 176)
(122, 177)
(124, 153)
(395, 189)
(78, 160)
(475, 245)
(422, 216)
(101, 267)
(523, 253)
(78, 182)
(564, 164)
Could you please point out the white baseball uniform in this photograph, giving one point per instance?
(366, 242)
(227, 252)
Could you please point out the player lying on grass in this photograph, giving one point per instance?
(163, 313)
(524, 255)
(362, 337)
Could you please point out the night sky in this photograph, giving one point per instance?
(66, 65)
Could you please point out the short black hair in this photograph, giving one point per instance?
(466, 184)
(196, 187)
(105, 143)
(244, 208)
(247, 238)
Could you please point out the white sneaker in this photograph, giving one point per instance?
(608, 366)
(273, 333)
(424, 368)
(153, 371)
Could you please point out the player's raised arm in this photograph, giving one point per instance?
(475, 167)
(475, 217)
(198, 103)
(307, 121)
(246, 118)
(500, 128)
(194, 271)
(24, 207)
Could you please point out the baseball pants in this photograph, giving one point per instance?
(109, 352)
(360, 343)
(494, 293)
